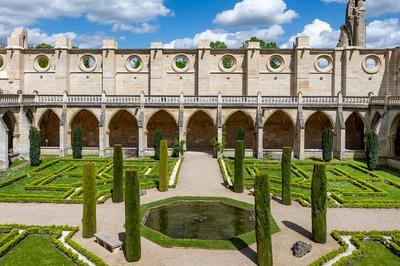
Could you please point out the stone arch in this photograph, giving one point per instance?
(162, 120)
(376, 120)
(233, 123)
(355, 132)
(314, 128)
(90, 127)
(200, 131)
(49, 125)
(278, 131)
(395, 135)
(11, 123)
(123, 129)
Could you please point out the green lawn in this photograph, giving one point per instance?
(35, 250)
(59, 180)
(377, 255)
(350, 183)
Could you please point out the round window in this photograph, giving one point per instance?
(228, 63)
(88, 63)
(371, 64)
(180, 63)
(323, 64)
(2, 63)
(276, 63)
(42, 63)
(134, 63)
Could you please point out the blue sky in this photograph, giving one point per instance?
(181, 23)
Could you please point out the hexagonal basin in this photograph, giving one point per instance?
(200, 220)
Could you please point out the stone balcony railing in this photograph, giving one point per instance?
(14, 100)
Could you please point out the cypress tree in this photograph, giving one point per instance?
(158, 136)
(319, 203)
(77, 142)
(372, 149)
(118, 168)
(286, 165)
(89, 200)
(327, 142)
(239, 157)
(241, 135)
(132, 217)
(164, 180)
(34, 148)
(263, 219)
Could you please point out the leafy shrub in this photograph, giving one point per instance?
(132, 243)
(319, 203)
(77, 142)
(118, 168)
(327, 142)
(164, 180)
(178, 148)
(286, 175)
(158, 136)
(263, 219)
(89, 200)
(372, 148)
(239, 158)
(34, 150)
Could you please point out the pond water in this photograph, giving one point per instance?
(201, 220)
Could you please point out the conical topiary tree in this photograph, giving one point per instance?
(158, 136)
(118, 168)
(263, 219)
(239, 158)
(34, 148)
(164, 180)
(327, 143)
(372, 149)
(286, 165)
(319, 203)
(77, 142)
(241, 135)
(132, 243)
(89, 200)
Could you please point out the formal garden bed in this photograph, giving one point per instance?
(59, 180)
(42, 245)
(364, 248)
(350, 183)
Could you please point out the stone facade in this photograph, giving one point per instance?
(280, 97)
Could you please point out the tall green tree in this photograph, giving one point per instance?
(218, 45)
(164, 179)
(241, 135)
(319, 202)
(132, 243)
(89, 200)
(158, 136)
(44, 46)
(118, 168)
(372, 149)
(286, 165)
(263, 219)
(239, 162)
(34, 146)
(327, 144)
(263, 44)
(77, 142)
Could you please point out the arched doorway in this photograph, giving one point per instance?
(164, 121)
(236, 121)
(90, 128)
(200, 132)
(11, 122)
(49, 129)
(278, 131)
(124, 130)
(314, 129)
(355, 133)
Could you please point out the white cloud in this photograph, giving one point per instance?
(255, 13)
(321, 35)
(232, 39)
(132, 15)
(376, 7)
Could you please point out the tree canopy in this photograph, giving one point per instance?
(218, 45)
(263, 44)
(44, 46)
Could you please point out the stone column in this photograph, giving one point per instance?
(109, 67)
(253, 68)
(260, 128)
(302, 64)
(181, 119)
(4, 162)
(156, 69)
(219, 122)
(102, 128)
(63, 45)
(300, 130)
(24, 127)
(16, 43)
(203, 68)
(142, 142)
(63, 133)
(339, 150)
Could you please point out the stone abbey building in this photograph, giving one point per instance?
(282, 97)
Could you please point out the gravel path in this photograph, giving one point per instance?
(200, 176)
